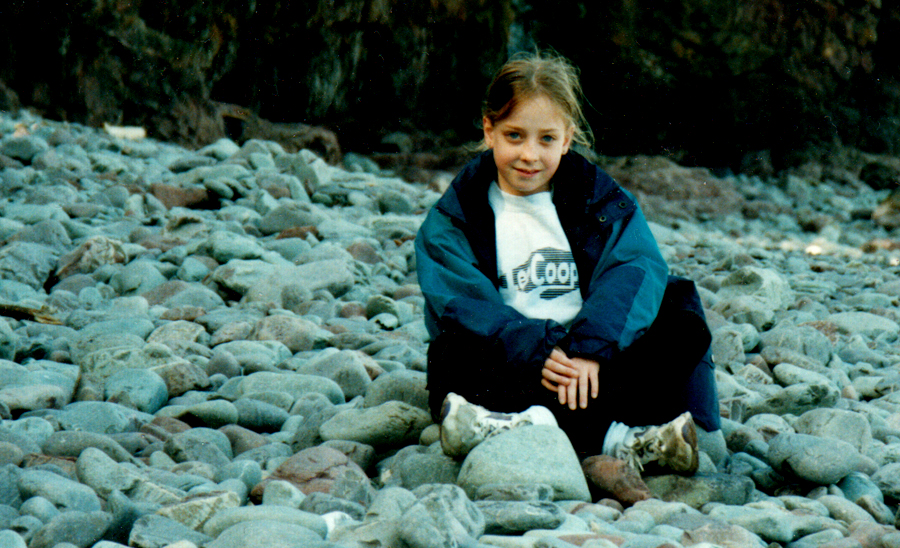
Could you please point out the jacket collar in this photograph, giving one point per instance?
(587, 201)
(585, 187)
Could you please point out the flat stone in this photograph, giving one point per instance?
(402, 385)
(180, 330)
(282, 493)
(267, 534)
(74, 527)
(796, 400)
(335, 276)
(416, 465)
(857, 484)
(104, 475)
(139, 389)
(154, 531)
(10, 454)
(348, 368)
(771, 524)
(11, 539)
(526, 455)
(360, 453)
(837, 424)
(887, 478)
(243, 439)
(256, 356)
(389, 424)
(27, 263)
(844, 510)
(297, 334)
(325, 503)
(764, 284)
(695, 491)
(819, 460)
(515, 492)
(212, 414)
(259, 416)
(297, 385)
(703, 529)
(101, 417)
(200, 444)
(864, 323)
(233, 516)
(518, 517)
(179, 374)
(442, 516)
(197, 510)
(63, 492)
(68, 443)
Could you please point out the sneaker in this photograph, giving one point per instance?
(672, 446)
(464, 425)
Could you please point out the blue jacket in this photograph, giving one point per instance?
(623, 275)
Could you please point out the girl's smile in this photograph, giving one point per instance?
(528, 145)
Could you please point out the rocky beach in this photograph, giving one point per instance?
(225, 348)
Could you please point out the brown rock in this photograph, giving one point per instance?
(160, 242)
(312, 470)
(408, 290)
(579, 539)
(170, 424)
(867, 534)
(172, 196)
(668, 190)
(165, 291)
(614, 477)
(187, 312)
(66, 464)
(242, 439)
(364, 252)
(298, 232)
(352, 309)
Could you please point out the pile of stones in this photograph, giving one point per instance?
(225, 348)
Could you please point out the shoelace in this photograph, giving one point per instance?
(641, 444)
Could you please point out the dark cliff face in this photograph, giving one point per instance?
(707, 82)
(358, 66)
(720, 79)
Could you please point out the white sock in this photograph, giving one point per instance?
(614, 437)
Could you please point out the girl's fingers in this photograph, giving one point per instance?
(561, 393)
(583, 390)
(560, 368)
(595, 383)
(549, 385)
(560, 356)
(549, 375)
(572, 396)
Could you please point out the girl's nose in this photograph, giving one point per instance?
(528, 151)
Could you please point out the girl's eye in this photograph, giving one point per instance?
(514, 135)
(548, 138)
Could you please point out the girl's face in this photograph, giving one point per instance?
(528, 145)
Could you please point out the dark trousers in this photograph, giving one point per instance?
(667, 371)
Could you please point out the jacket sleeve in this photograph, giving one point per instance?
(624, 293)
(459, 297)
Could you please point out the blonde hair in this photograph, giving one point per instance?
(527, 75)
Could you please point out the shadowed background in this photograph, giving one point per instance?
(752, 84)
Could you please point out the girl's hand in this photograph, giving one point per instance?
(571, 378)
(586, 383)
(558, 371)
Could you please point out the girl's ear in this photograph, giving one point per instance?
(488, 127)
(567, 142)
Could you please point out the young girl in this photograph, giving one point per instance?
(544, 287)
